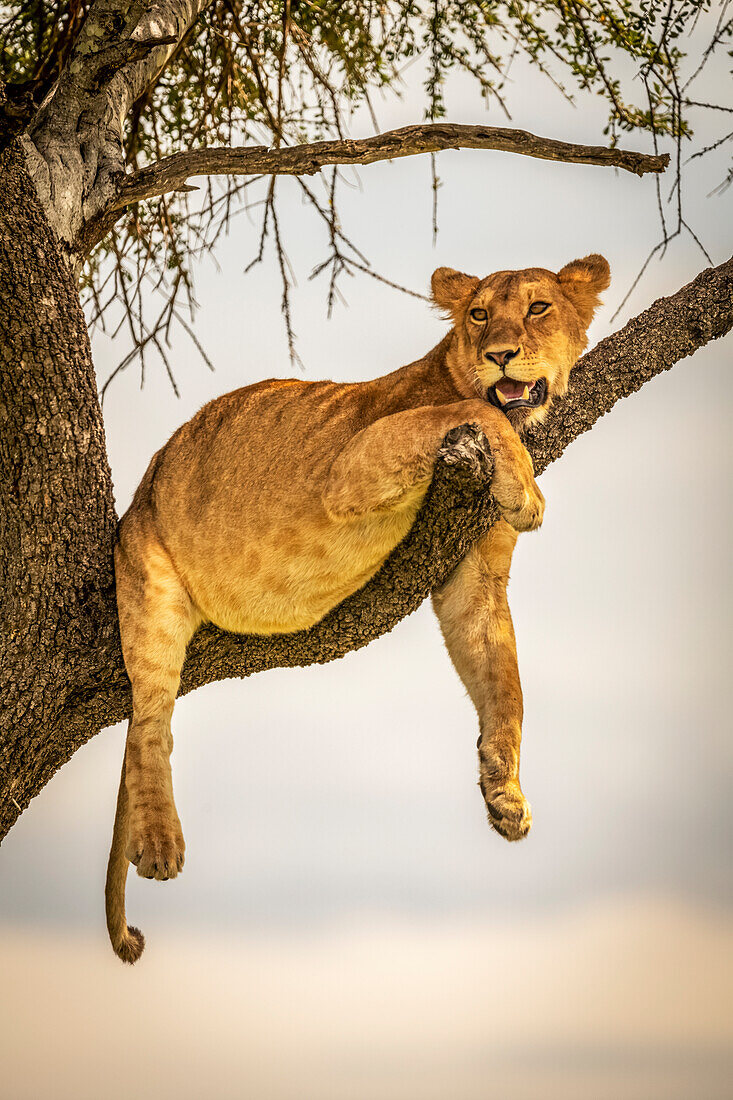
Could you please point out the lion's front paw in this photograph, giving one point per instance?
(509, 811)
(156, 845)
(529, 515)
(514, 487)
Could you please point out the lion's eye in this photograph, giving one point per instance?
(478, 314)
(538, 307)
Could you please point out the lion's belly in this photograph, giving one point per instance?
(290, 576)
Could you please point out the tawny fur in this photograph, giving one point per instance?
(277, 501)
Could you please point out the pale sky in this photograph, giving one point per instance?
(347, 924)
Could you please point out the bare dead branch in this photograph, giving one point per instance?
(172, 173)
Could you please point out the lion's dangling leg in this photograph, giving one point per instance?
(474, 616)
(157, 620)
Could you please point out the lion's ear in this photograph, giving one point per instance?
(452, 289)
(583, 281)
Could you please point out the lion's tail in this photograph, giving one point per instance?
(128, 943)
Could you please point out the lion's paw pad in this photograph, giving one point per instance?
(157, 850)
(510, 814)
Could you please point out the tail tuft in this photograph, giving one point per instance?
(131, 945)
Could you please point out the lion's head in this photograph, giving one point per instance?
(517, 334)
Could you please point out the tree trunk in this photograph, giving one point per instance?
(56, 508)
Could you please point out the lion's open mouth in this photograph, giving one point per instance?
(509, 394)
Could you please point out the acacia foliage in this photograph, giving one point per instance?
(297, 68)
(292, 71)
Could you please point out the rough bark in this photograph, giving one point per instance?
(64, 679)
(56, 509)
(171, 173)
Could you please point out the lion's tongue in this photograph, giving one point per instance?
(511, 390)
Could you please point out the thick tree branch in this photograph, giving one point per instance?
(171, 173)
(138, 36)
(74, 147)
(109, 38)
(458, 509)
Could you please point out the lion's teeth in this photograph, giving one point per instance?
(525, 395)
(501, 397)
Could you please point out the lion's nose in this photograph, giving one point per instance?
(501, 358)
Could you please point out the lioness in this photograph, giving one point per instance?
(219, 532)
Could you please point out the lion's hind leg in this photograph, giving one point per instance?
(157, 619)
